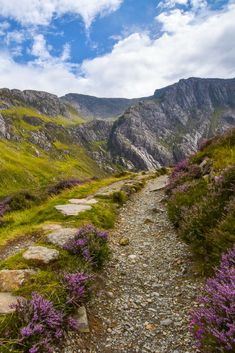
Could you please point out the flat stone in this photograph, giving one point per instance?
(83, 201)
(6, 300)
(51, 226)
(41, 254)
(11, 280)
(72, 209)
(62, 236)
(124, 241)
(82, 319)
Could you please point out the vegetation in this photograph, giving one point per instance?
(58, 288)
(201, 201)
(212, 322)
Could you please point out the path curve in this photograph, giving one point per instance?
(147, 288)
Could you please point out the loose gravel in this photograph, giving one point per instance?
(148, 288)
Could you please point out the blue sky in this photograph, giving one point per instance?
(124, 48)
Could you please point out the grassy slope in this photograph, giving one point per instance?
(202, 207)
(20, 168)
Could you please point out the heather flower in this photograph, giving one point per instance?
(213, 323)
(43, 325)
(77, 287)
(91, 244)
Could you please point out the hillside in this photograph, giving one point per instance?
(201, 200)
(98, 108)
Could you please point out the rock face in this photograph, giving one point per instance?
(45, 103)
(101, 108)
(171, 124)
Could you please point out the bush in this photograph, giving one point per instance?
(77, 285)
(213, 322)
(91, 244)
(41, 326)
(64, 184)
(119, 197)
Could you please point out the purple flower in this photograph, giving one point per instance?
(77, 287)
(90, 243)
(214, 320)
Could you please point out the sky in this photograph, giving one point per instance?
(114, 48)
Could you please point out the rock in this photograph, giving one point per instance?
(150, 327)
(11, 280)
(148, 221)
(41, 254)
(6, 300)
(83, 201)
(61, 236)
(132, 257)
(81, 317)
(124, 241)
(205, 166)
(51, 226)
(72, 210)
(166, 322)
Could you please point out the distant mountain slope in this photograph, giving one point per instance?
(98, 108)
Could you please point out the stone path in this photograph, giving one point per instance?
(148, 288)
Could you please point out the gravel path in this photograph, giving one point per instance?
(147, 289)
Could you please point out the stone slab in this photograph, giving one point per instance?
(62, 236)
(41, 254)
(72, 209)
(6, 300)
(11, 280)
(83, 201)
(82, 319)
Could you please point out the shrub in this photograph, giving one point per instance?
(91, 244)
(64, 184)
(77, 285)
(119, 197)
(42, 326)
(213, 322)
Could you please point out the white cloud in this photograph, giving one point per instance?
(41, 12)
(203, 46)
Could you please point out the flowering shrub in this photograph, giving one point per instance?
(91, 244)
(43, 326)
(64, 184)
(213, 323)
(77, 287)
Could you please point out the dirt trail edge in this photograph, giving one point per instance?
(148, 286)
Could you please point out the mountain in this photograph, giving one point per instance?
(98, 108)
(49, 135)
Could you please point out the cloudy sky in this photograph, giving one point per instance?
(114, 48)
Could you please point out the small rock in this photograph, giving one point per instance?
(166, 322)
(148, 221)
(81, 316)
(41, 254)
(124, 241)
(150, 327)
(132, 257)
